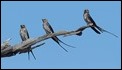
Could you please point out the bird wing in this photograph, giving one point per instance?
(56, 38)
(27, 34)
(92, 21)
(22, 35)
(94, 24)
(29, 48)
(50, 28)
(95, 30)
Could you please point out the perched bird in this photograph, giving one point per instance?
(48, 29)
(24, 36)
(88, 19)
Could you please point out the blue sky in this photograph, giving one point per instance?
(93, 50)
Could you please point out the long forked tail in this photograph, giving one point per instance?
(57, 41)
(28, 55)
(32, 54)
(30, 50)
(62, 47)
(110, 33)
(66, 44)
(102, 30)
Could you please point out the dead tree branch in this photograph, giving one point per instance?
(8, 50)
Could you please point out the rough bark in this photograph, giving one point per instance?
(8, 50)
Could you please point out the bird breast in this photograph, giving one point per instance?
(86, 18)
(47, 29)
(23, 33)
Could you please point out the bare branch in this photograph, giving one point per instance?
(8, 50)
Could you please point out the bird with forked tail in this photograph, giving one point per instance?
(48, 29)
(88, 19)
(24, 36)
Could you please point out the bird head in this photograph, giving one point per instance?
(44, 20)
(22, 26)
(86, 11)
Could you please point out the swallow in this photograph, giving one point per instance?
(24, 36)
(48, 29)
(88, 19)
